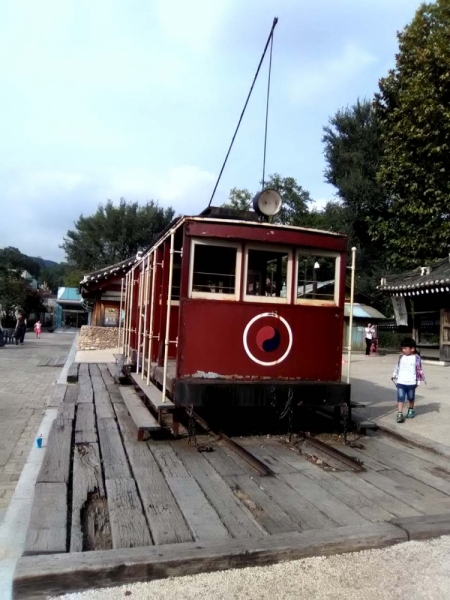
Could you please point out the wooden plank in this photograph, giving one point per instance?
(113, 389)
(112, 370)
(349, 496)
(58, 395)
(300, 510)
(412, 483)
(403, 494)
(200, 515)
(56, 464)
(266, 512)
(103, 406)
(85, 430)
(86, 393)
(233, 514)
(71, 395)
(140, 415)
(90, 528)
(222, 461)
(39, 577)
(334, 508)
(153, 394)
(426, 527)
(66, 411)
(94, 371)
(115, 462)
(72, 373)
(367, 461)
(128, 526)
(47, 530)
(411, 450)
(259, 449)
(416, 468)
(376, 495)
(167, 524)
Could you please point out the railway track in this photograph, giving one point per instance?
(261, 468)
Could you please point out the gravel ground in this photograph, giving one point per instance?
(411, 571)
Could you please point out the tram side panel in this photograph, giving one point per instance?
(245, 349)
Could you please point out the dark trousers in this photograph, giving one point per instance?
(20, 335)
(368, 345)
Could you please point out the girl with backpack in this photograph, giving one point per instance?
(407, 376)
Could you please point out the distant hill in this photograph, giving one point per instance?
(43, 262)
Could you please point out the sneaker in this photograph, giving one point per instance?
(400, 418)
(411, 413)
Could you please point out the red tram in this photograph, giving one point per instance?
(225, 310)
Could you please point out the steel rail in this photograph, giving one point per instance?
(262, 469)
(334, 453)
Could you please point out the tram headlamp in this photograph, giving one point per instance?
(267, 203)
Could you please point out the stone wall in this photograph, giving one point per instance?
(97, 338)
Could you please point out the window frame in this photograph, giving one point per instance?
(337, 276)
(215, 295)
(269, 299)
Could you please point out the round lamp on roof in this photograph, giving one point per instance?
(267, 203)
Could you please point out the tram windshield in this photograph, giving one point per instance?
(267, 272)
(316, 277)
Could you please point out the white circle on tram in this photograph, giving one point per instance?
(247, 349)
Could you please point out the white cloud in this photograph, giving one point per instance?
(45, 204)
(308, 84)
(186, 188)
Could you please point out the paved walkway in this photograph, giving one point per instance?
(24, 390)
(371, 383)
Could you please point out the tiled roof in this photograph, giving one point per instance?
(435, 277)
(109, 271)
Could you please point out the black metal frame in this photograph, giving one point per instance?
(233, 393)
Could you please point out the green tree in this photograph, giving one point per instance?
(413, 106)
(353, 151)
(295, 209)
(239, 200)
(295, 200)
(14, 259)
(114, 233)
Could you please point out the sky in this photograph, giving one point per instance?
(139, 99)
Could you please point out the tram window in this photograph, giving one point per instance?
(268, 275)
(317, 278)
(214, 271)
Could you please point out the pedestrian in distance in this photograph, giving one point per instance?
(407, 375)
(369, 332)
(38, 329)
(21, 327)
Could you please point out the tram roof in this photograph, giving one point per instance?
(178, 221)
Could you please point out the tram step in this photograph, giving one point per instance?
(141, 416)
(153, 394)
(363, 425)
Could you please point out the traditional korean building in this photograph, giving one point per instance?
(421, 302)
(100, 291)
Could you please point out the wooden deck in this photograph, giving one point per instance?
(100, 489)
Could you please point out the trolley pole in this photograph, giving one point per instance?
(350, 325)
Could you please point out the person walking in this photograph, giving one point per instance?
(369, 332)
(407, 376)
(38, 329)
(21, 327)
